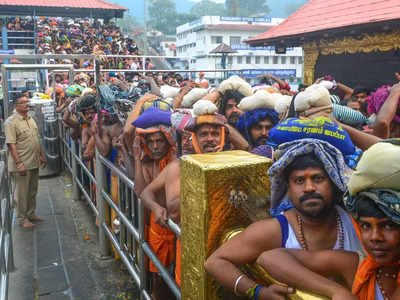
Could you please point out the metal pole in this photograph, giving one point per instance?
(145, 26)
(104, 209)
(142, 259)
(75, 189)
(5, 92)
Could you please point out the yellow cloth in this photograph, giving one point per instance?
(379, 167)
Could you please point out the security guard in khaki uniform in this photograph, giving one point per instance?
(25, 157)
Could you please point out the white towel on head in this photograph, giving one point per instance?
(195, 94)
(204, 107)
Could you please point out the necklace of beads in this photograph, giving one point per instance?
(339, 230)
(379, 275)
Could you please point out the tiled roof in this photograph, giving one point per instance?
(318, 15)
(223, 48)
(99, 4)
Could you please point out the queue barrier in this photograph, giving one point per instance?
(90, 180)
(6, 217)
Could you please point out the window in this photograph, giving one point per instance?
(283, 60)
(248, 59)
(216, 39)
(293, 60)
(258, 59)
(275, 60)
(239, 59)
(230, 60)
(266, 60)
(234, 40)
(300, 60)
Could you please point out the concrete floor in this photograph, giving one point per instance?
(59, 258)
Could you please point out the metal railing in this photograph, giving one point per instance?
(129, 241)
(6, 241)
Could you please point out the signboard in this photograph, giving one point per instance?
(252, 73)
(7, 51)
(246, 19)
(247, 47)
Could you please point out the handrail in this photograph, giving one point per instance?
(131, 223)
(6, 244)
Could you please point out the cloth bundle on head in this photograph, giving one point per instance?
(87, 102)
(206, 113)
(285, 154)
(74, 90)
(377, 178)
(376, 100)
(320, 128)
(154, 120)
(252, 117)
(236, 83)
(153, 116)
(261, 99)
(168, 91)
(195, 94)
(313, 100)
(348, 115)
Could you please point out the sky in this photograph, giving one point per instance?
(136, 6)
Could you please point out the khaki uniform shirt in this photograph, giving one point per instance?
(25, 135)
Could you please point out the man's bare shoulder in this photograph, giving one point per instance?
(267, 232)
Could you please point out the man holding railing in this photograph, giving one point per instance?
(26, 155)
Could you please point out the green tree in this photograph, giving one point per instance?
(162, 15)
(246, 8)
(127, 22)
(165, 18)
(208, 8)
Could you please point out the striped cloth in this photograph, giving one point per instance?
(348, 115)
(335, 99)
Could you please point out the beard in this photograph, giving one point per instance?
(262, 140)
(233, 118)
(311, 210)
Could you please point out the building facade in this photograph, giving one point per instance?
(197, 39)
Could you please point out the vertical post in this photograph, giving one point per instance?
(145, 25)
(102, 206)
(75, 189)
(142, 259)
(5, 92)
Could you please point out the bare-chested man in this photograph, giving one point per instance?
(153, 149)
(209, 134)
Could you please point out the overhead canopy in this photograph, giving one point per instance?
(326, 19)
(224, 49)
(70, 8)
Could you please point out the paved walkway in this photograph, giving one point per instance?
(58, 259)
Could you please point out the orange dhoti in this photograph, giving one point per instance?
(178, 263)
(162, 242)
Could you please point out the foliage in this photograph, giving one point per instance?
(246, 8)
(165, 18)
(127, 23)
(208, 8)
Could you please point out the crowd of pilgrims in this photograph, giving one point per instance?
(335, 177)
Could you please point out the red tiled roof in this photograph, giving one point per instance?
(317, 15)
(244, 27)
(99, 4)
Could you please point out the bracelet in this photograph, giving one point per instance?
(257, 291)
(251, 291)
(236, 284)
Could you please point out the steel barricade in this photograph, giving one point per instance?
(129, 242)
(6, 213)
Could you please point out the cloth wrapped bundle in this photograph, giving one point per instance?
(320, 128)
(236, 83)
(195, 94)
